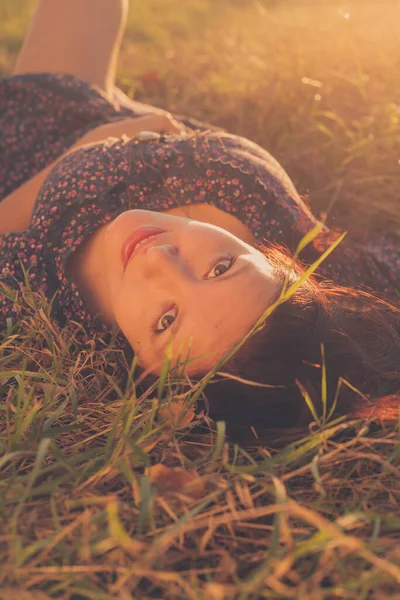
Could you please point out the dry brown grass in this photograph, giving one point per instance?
(103, 497)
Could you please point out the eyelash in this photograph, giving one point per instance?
(168, 307)
(214, 262)
(157, 317)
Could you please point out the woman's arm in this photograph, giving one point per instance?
(80, 37)
(16, 208)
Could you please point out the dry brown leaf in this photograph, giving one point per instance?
(170, 480)
(176, 413)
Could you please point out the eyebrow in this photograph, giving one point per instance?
(213, 281)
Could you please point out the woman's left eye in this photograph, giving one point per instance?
(220, 268)
(166, 320)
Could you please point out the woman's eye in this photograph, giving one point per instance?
(220, 268)
(166, 320)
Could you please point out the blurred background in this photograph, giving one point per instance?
(316, 83)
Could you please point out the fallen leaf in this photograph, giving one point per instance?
(170, 480)
(176, 413)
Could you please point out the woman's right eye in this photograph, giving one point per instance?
(220, 267)
(166, 320)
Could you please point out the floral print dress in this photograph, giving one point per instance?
(42, 115)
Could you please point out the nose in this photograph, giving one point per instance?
(165, 261)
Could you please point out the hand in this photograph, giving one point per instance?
(159, 123)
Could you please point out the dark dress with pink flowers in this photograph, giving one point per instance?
(42, 115)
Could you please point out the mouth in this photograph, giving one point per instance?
(137, 240)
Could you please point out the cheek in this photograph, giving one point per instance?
(134, 320)
(128, 314)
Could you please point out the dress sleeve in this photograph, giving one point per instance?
(41, 116)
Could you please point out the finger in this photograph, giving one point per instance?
(175, 126)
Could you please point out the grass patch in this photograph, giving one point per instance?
(109, 493)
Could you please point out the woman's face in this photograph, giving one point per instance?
(194, 285)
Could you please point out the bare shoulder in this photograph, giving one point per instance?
(208, 213)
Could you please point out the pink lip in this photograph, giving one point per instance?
(133, 240)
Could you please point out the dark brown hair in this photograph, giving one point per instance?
(358, 333)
